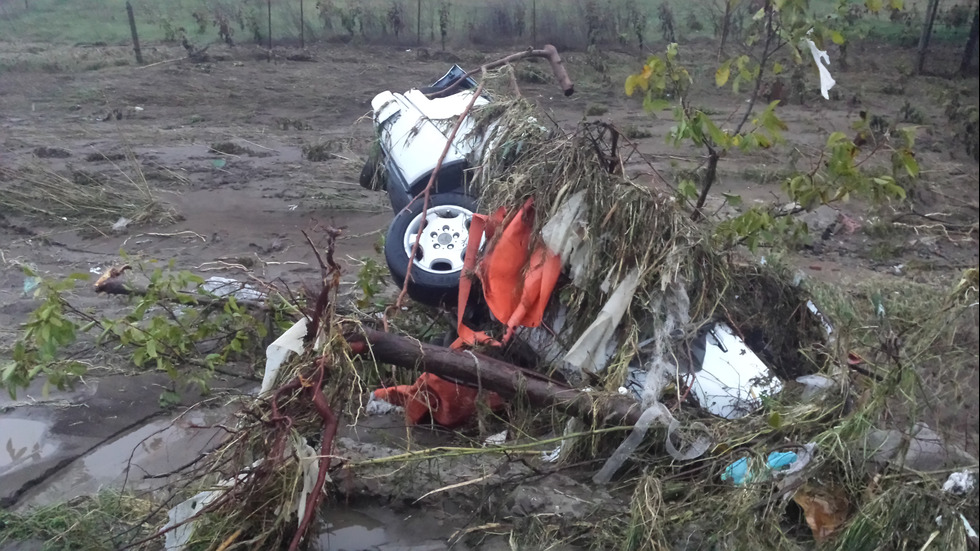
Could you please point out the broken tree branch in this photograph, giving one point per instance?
(507, 380)
(549, 52)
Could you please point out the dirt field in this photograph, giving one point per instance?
(241, 213)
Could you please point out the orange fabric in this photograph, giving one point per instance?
(449, 404)
(517, 281)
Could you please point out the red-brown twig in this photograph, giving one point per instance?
(329, 419)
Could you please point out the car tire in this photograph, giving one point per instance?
(370, 178)
(439, 259)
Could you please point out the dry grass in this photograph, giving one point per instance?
(82, 199)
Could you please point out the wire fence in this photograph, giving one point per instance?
(431, 23)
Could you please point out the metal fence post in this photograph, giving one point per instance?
(132, 29)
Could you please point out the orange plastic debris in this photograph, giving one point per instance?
(448, 403)
(517, 280)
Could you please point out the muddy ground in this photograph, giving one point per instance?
(247, 209)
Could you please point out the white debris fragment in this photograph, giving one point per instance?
(309, 463)
(121, 224)
(224, 286)
(827, 327)
(275, 353)
(591, 350)
(820, 57)
(732, 379)
(960, 483)
(496, 439)
(178, 538)
(563, 235)
(377, 406)
(552, 456)
(815, 385)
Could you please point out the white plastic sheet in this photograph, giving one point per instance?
(276, 353)
(820, 57)
(591, 350)
(309, 463)
(660, 414)
(563, 235)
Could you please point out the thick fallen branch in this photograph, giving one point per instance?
(509, 381)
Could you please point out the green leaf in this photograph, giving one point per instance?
(775, 420)
(896, 5)
(687, 189)
(169, 398)
(733, 199)
(632, 82)
(716, 134)
(835, 138)
(874, 6)
(722, 73)
(836, 37)
(652, 105)
(777, 68)
(911, 165)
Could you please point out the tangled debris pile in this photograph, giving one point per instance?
(770, 433)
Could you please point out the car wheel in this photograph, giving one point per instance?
(370, 176)
(441, 248)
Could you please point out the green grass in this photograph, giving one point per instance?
(470, 21)
(104, 521)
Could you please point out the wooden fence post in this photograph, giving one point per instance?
(132, 28)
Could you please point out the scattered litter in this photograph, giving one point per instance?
(224, 287)
(827, 327)
(552, 456)
(218, 163)
(778, 463)
(178, 538)
(447, 403)
(820, 57)
(496, 439)
(825, 509)
(815, 385)
(660, 414)
(377, 406)
(121, 223)
(960, 483)
(926, 449)
(30, 283)
(309, 463)
(592, 350)
(276, 353)
(971, 534)
(291, 208)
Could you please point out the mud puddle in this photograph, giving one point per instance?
(141, 459)
(24, 441)
(372, 527)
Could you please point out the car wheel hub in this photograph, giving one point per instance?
(442, 244)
